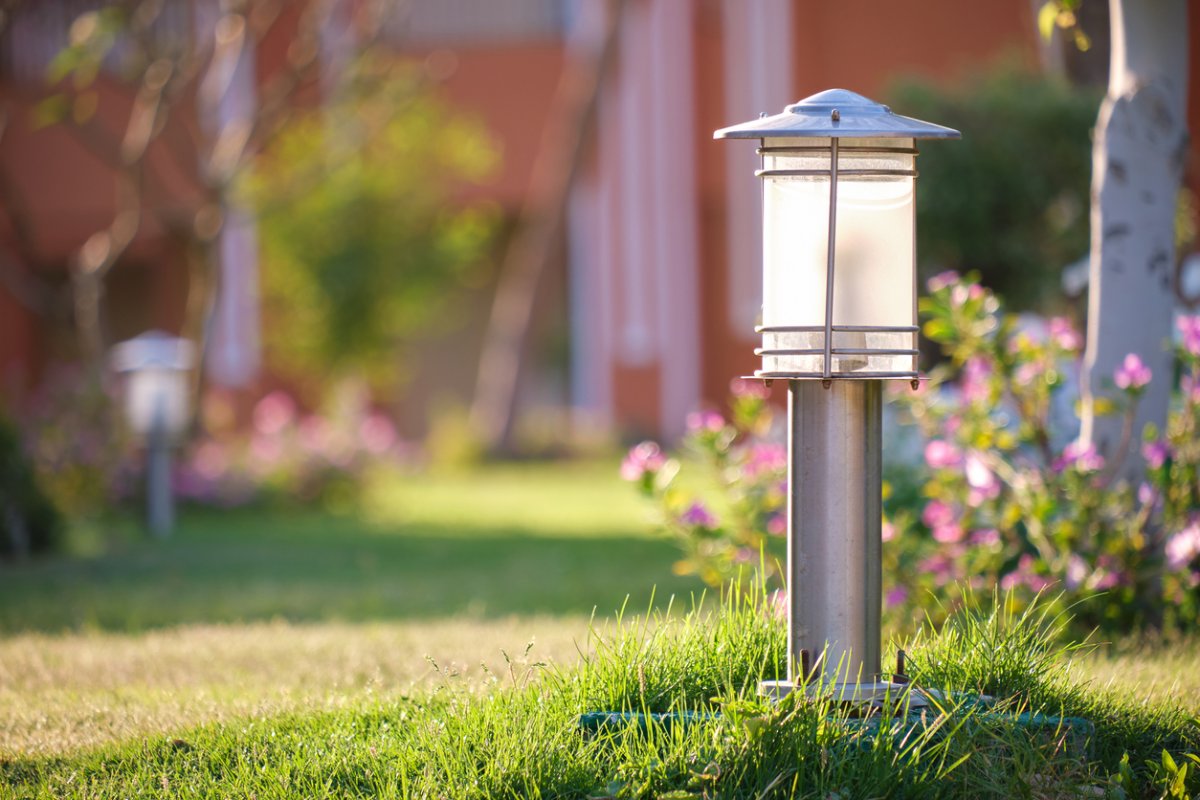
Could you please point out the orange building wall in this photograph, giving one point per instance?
(862, 44)
(509, 89)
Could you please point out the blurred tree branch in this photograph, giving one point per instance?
(122, 47)
(539, 231)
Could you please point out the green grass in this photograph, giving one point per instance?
(519, 738)
(559, 539)
(270, 653)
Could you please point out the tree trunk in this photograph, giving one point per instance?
(1137, 166)
(493, 409)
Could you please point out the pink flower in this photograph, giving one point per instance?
(1155, 453)
(1190, 388)
(942, 521)
(1063, 333)
(1024, 574)
(940, 454)
(948, 534)
(989, 537)
(888, 531)
(960, 294)
(942, 280)
(1132, 375)
(1080, 456)
(267, 451)
(210, 461)
(764, 458)
(704, 421)
(742, 387)
(1029, 372)
(777, 524)
(1147, 495)
(1190, 328)
(698, 516)
(1106, 575)
(377, 434)
(976, 380)
(1183, 546)
(642, 460)
(1077, 571)
(315, 433)
(939, 567)
(983, 482)
(895, 596)
(273, 413)
(1104, 579)
(938, 513)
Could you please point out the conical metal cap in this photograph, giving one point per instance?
(837, 113)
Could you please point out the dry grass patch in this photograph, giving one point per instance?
(60, 693)
(1167, 671)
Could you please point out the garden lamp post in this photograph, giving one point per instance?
(156, 367)
(839, 316)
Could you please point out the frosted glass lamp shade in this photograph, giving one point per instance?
(157, 396)
(872, 304)
(839, 256)
(156, 366)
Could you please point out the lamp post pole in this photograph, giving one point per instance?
(160, 500)
(834, 528)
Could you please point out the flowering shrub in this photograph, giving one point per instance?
(746, 464)
(1007, 495)
(286, 453)
(1006, 500)
(79, 452)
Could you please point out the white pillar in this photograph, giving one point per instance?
(590, 277)
(230, 98)
(637, 342)
(758, 77)
(674, 262)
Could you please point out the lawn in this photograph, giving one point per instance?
(527, 539)
(254, 613)
(283, 653)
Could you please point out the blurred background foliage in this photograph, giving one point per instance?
(1009, 201)
(363, 243)
(29, 521)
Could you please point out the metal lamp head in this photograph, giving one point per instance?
(839, 265)
(156, 365)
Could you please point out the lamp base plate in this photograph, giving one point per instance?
(873, 694)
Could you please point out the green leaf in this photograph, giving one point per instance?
(1046, 17)
(50, 111)
(938, 330)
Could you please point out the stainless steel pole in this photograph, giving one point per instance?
(160, 499)
(835, 528)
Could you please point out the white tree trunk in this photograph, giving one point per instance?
(1137, 165)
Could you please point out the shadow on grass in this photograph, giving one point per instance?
(255, 565)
